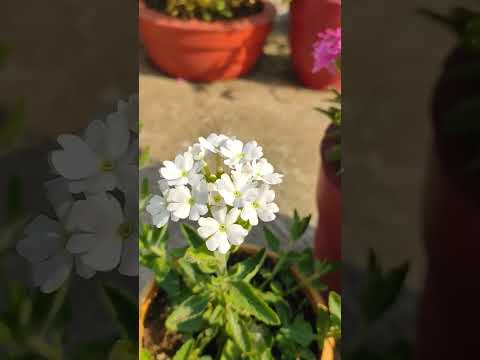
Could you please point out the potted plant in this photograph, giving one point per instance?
(328, 235)
(453, 199)
(205, 40)
(315, 21)
(218, 298)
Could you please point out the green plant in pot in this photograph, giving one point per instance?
(205, 40)
(217, 297)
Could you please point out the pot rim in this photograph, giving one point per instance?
(265, 17)
(316, 301)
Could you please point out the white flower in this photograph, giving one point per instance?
(101, 162)
(129, 110)
(262, 170)
(213, 142)
(101, 230)
(180, 172)
(221, 231)
(261, 206)
(44, 244)
(236, 153)
(184, 203)
(198, 152)
(235, 190)
(157, 208)
(214, 197)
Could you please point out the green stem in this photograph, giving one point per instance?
(58, 302)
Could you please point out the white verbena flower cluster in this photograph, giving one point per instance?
(221, 183)
(95, 228)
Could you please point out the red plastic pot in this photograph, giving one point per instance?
(307, 19)
(204, 51)
(449, 315)
(328, 235)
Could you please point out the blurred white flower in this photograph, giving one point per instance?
(236, 153)
(157, 208)
(235, 190)
(261, 206)
(100, 231)
(221, 231)
(44, 245)
(129, 110)
(184, 203)
(102, 161)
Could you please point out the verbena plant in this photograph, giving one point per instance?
(206, 10)
(249, 309)
(225, 303)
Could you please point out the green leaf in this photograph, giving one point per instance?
(144, 156)
(246, 299)
(299, 226)
(230, 351)
(238, 331)
(335, 309)
(247, 269)
(6, 336)
(203, 258)
(299, 331)
(145, 355)
(323, 325)
(124, 350)
(272, 240)
(185, 350)
(187, 317)
(192, 236)
(381, 290)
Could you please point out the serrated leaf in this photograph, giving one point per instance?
(247, 269)
(299, 226)
(203, 258)
(238, 331)
(299, 331)
(272, 240)
(188, 316)
(245, 299)
(335, 309)
(185, 350)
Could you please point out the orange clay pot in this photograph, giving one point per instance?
(316, 300)
(328, 236)
(307, 19)
(204, 51)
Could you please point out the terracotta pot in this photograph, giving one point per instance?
(451, 230)
(313, 296)
(204, 51)
(328, 235)
(307, 19)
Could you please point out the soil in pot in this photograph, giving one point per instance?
(161, 345)
(237, 13)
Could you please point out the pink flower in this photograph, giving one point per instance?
(327, 49)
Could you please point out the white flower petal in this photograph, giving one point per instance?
(106, 255)
(236, 234)
(80, 243)
(117, 136)
(83, 270)
(76, 160)
(232, 216)
(129, 261)
(52, 273)
(220, 214)
(43, 238)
